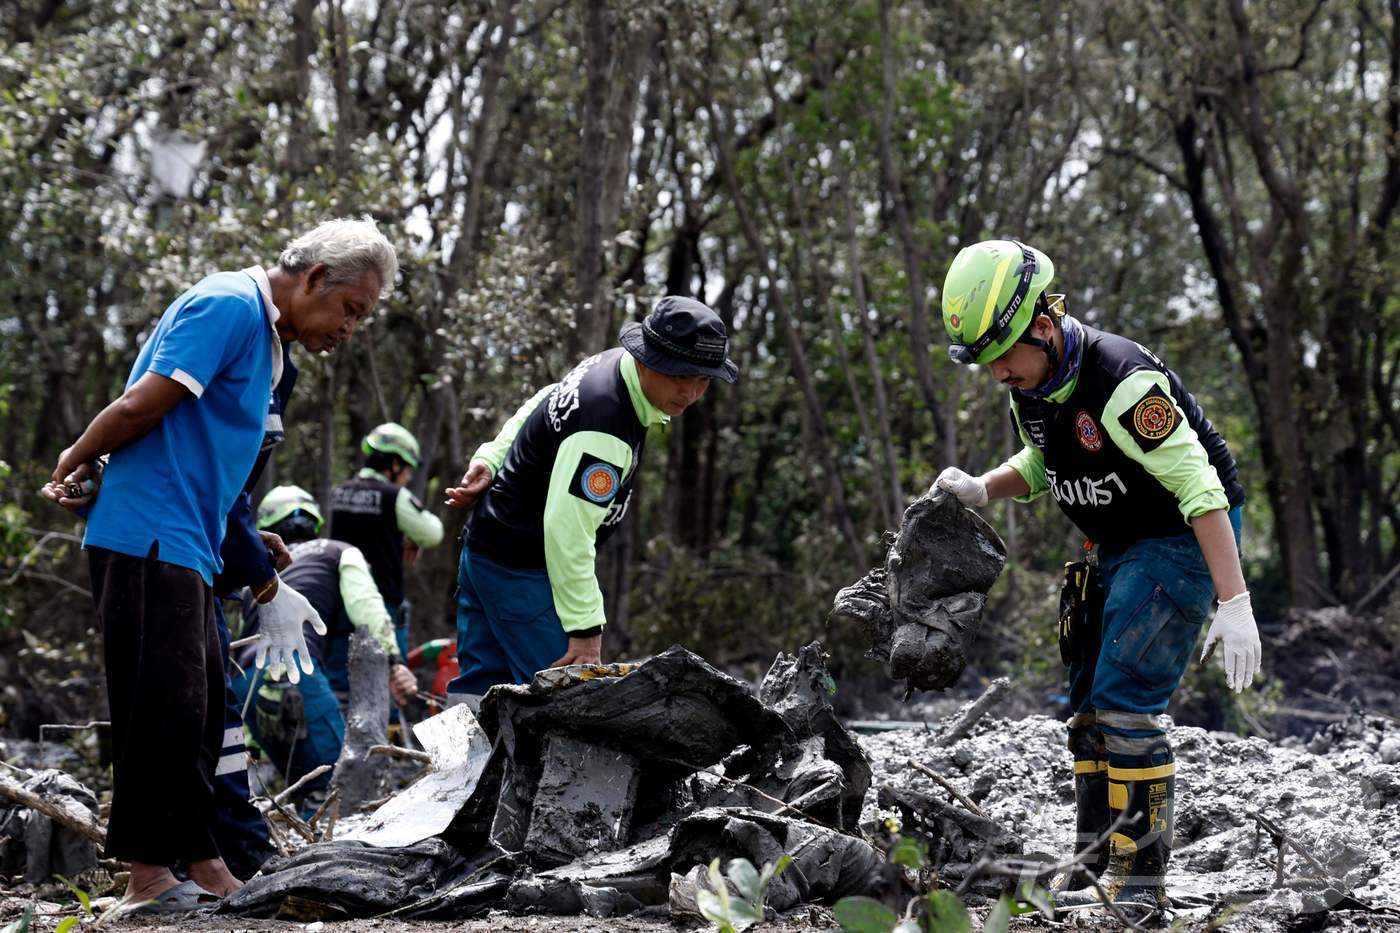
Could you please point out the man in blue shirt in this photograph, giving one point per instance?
(183, 438)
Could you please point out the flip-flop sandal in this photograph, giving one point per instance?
(185, 897)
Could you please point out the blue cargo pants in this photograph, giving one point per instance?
(507, 628)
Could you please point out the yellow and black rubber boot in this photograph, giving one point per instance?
(1091, 814)
(1140, 849)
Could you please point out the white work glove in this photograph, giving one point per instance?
(970, 490)
(279, 622)
(1233, 626)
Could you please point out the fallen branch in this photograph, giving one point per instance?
(301, 782)
(1038, 871)
(1281, 839)
(80, 822)
(1376, 590)
(1343, 704)
(292, 819)
(1311, 715)
(332, 797)
(1254, 724)
(277, 836)
(330, 822)
(395, 751)
(946, 785)
(969, 716)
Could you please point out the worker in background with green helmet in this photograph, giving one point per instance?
(301, 724)
(1115, 438)
(375, 512)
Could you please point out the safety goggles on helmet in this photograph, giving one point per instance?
(966, 354)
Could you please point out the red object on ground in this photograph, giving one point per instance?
(442, 654)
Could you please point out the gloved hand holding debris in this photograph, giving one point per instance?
(922, 608)
(970, 490)
(1233, 626)
(279, 622)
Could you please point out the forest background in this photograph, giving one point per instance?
(1216, 179)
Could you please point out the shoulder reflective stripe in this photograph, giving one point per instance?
(1108, 717)
(232, 763)
(273, 422)
(992, 296)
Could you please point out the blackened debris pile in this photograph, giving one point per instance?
(32, 845)
(607, 786)
(922, 607)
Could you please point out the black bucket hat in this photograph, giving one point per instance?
(681, 337)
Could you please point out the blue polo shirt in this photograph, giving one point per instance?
(176, 484)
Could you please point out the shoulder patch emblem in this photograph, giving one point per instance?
(595, 480)
(1152, 420)
(1087, 432)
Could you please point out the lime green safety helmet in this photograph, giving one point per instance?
(391, 438)
(990, 296)
(282, 502)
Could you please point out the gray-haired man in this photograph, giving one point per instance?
(185, 437)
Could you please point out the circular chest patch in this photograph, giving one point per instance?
(1153, 418)
(599, 482)
(1087, 432)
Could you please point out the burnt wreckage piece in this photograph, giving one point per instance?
(921, 608)
(605, 787)
(34, 845)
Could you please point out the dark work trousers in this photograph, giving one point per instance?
(165, 689)
(239, 827)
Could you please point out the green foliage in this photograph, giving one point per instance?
(940, 910)
(1054, 122)
(732, 914)
(860, 914)
(84, 900)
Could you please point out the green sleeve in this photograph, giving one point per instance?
(1143, 419)
(493, 453)
(363, 604)
(1029, 461)
(422, 527)
(571, 524)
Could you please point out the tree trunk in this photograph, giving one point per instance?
(798, 355)
(872, 354)
(919, 346)
(588, 263)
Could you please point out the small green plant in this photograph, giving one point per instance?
(121, 908)
(84, 901)
(732, 914)
(938, 911)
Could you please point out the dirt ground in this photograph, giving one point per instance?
(1335, 788)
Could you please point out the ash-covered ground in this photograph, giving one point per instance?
(1337, 796)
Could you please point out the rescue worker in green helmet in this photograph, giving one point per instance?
(302, 725)
(375, 512)
(1115, 438)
